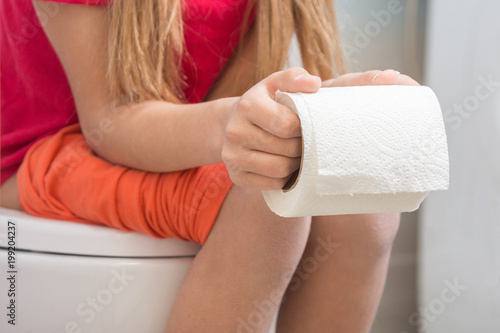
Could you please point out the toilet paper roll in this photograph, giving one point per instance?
(366, 149)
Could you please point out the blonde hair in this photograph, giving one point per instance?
(146, 45)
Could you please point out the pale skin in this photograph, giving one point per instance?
(251, 254)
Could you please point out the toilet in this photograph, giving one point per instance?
(75, 277)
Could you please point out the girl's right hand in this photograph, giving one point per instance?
(262, 140)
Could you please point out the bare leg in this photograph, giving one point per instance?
(8, 194)
(238, 278)
(339, 282)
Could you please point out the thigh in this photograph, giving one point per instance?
(238, 278)
(246, 221)
(370, 233)
(8, 194)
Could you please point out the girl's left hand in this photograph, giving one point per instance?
(375, 77)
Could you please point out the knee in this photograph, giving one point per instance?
(273, 243)
(284, 235)
(370, 235)
(380, 232)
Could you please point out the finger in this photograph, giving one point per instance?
(270, 116)
(292, 80)
(269, 165)
(374, 77)
(253, 180)
(355, 79)
(262, 140)
(385, 78)
(327, 83)
(392, 77)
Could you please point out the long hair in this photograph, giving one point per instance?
(146, 45)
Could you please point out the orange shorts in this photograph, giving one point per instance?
(61, 178)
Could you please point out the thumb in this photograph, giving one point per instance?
(292, 80)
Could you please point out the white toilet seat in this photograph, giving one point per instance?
(76, 277)
(63, 237)
(55, 288)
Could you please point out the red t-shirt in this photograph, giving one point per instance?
(36, 99)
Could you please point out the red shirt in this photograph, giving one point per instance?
(36, 99)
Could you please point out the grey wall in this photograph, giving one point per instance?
(381, 34)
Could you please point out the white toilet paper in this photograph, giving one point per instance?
(366, 149)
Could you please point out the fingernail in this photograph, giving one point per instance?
(301, 75)
(397, 72)
(306, 74)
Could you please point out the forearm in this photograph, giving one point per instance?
(159, 136)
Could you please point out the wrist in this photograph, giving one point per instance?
(222, 112)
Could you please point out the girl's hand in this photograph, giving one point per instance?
(262, 141)
(387, 77)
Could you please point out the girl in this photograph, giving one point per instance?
(175, 100)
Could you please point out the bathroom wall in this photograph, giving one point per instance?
(381, 34)
(459, 275)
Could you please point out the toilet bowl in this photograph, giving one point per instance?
(73, 277)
